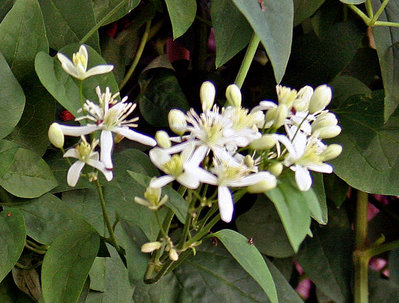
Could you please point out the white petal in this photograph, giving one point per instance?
(67, 65)
(188, 180)
(83, 51)
(321, 168)
(77, 131)
(250, 179)
(107, 142)
(98, 70)
(159, 157)
(201, 174)
(303, 178)
(100, 166)
(135, 136)
(161, 181)
(225, 202)
(71, 153)
(196, 157)
(74, 173)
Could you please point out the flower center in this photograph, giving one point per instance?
(79, 59)
(174, 166)
(84, 150)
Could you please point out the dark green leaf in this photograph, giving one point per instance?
(274, 28)
(292, 207)
(304, 9)
(263, 225)
(12, 99)
(24, 174)
(166, 290)
(22, 36)
(386, 39)
(345, 87)
(369, 159)
(182, 14)
(250, 259)
(317, 202)
(394, 266)
(69, 21)
(104, 10)
(327, 257)
(382, 290)
(5, 6)
(63, 87)
(336, 189)
(232, 31)
(160, 92)
(66, 265)
(12, 239)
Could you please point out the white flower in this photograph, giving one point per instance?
(85, 154)
(78, 66)
(110, 117)
(152, 198)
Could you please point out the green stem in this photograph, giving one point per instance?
(103, 21)
(187, 224)
(36, 250)
(106, 217)
(202, 233)
(374, 251)
(362, 15)
(386, 23)
(361, 259)
(81, 94)
(246, 63)
(139, 53)
(161, 226)
(378, 13)
(369, 8)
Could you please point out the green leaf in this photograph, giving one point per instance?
(273, 27)
(250, 259)
(292, 207)
(25, 174)
(166, 290)
(66, 265)
(12, 239)
(353, 1)
(103, 10)
(303, 9)
(381, 290)
(386, 39)
(12, 99)
(232, 31)
(182, 14)
(48, 217)
(69, 21)
(31, 131)
(64, 88)
(327, 257)
(369, 159)
(316, 199)
(394, 266)
(175, 201)
(5, 6)
(159, 93)
(263, 225)
(336, 189)
(22, 36)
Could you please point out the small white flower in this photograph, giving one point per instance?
(152, 198)
(78, 66)
(85, 154)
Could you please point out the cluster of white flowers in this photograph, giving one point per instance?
(233, 147)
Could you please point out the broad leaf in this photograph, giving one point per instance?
(64, 88)
(109, 11)
(5, 6)
(369, 161)
(292, 207)
(12, 239)
(22, 36)
(382, 290)
(386, 39)
(68, 22)
(182, 14)
(303, 9)
(67, 264)
(232, 31)
(263, 225)
(12, 99)
(274, 28)
(250, 259)
(24, 173)
(394, 266)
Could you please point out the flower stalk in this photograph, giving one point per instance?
(246, 63)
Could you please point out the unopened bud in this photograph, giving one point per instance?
(263, 143)
(331, 152)
(286, 95)
(301, 103)
(92, 176)
(233, 95)
(320, 99)
(277, 115)
(173, 255)
(262, 186)
(163, 139)
(323, 120)
(249, 161)
(177, 121)
(207, 95)
(149, 247)
(276, 168)
(328, 132)
(55, 135)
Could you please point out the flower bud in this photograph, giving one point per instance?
(233, 95)
(276, 168)
(320, 99)
(277, 115)
(324, 119)
(286, 95)
(149, 247)
(163, 139)
(177, 121)
(173, 255)
(263, 186)
(249, 161)
(331, 152)
(55, 135)
(327, 132)
(301, 103)
(207, 95)
(263, 143)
